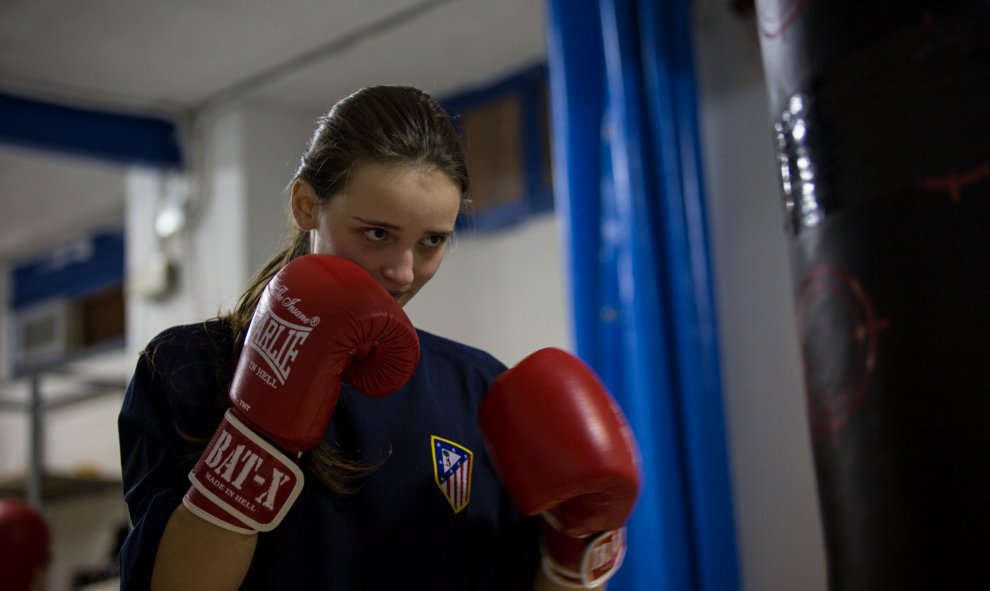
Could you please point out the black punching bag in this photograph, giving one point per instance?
(881, 113)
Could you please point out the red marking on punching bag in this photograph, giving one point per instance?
(839, 331)
(954, 182)
(776, 16)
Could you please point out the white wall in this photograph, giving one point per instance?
(244, 157)
(273, 144)
(502, 292)
(779, 532)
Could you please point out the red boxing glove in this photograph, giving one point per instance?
(564, 450)
(322, 319)
(24, 544)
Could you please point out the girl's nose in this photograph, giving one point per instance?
(399, 269)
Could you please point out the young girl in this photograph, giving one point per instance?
(394, 491)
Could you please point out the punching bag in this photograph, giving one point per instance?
(881, 121)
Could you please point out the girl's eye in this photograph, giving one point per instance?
(435, 241)
(375, 234)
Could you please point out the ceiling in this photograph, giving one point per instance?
(182, 58)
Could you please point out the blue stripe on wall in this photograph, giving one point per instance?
(73, 270)
(124, 139)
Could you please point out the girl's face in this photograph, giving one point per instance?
(394, 220)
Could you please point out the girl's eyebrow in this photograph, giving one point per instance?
(384, 225)
(394, 228)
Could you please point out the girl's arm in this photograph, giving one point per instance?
(195, 554)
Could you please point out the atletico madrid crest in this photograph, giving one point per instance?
(452, 465)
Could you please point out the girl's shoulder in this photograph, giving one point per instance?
(209, 343)
(186, 368)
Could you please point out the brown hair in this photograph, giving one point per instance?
(379, 124)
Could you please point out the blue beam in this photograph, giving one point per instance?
(123, 139)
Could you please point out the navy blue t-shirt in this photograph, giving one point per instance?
(431, 516)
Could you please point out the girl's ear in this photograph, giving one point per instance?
(304, 204)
